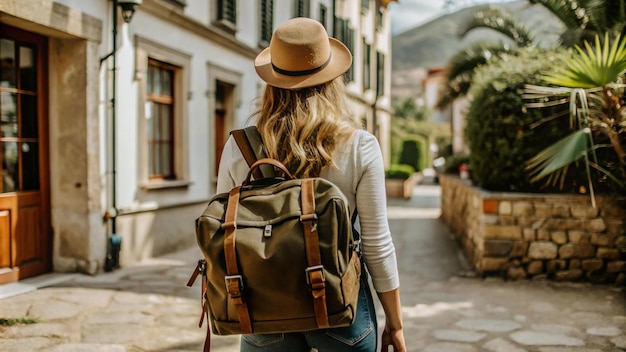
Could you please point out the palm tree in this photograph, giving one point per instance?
(589, 85)
(581, 19)
(460, 69)
(584, 19)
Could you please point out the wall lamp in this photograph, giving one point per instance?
(128, 8)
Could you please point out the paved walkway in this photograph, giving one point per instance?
(148, 308)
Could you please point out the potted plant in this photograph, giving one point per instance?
(400, 181)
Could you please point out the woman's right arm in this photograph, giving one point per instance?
(378, 249)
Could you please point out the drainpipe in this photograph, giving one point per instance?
(114, 241)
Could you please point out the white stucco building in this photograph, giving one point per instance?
(77, 162)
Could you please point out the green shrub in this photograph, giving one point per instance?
(399, 171)
(410, 154)
(454, 161)
(498, 129)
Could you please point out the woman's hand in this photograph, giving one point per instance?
(393, 338)
(393, 334)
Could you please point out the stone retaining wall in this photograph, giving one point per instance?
(521, 235)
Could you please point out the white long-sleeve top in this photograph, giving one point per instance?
(358, 171)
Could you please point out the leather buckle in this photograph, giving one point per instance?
(234, 292)
(318, 284)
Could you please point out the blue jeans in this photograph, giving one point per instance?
(360, 336)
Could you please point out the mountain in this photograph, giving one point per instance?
(433, 43)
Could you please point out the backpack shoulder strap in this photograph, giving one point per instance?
(251, 145)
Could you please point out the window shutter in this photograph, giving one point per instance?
(300, 8)
(367, 54)
(345, 34)
(267, 21)
(380, 74)
(227, 10)
(323, 13)
(350, 45)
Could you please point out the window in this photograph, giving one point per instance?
(365, 5)
(19, 118)
(301, 8)
(380, 17)
(267, 22)
(367, 49)
(345, 34)
(227, 14)
(323, 14)
(163, 81)
(160, 120)
(380, 74)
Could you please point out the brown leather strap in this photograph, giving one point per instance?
(246, 150)
(265, 162)
(233, 279)
(205, 313)
(315, 271)
(201, 269)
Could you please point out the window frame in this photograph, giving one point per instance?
(367, 65)
(167, 101)
(365, 6)
(345, 33)
(26, 183)
(380, 73)
(228, 24)
(146, 49)
(266, 23)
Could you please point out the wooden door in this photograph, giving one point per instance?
(220, 117)
(25, 231)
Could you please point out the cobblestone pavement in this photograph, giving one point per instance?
(147, 307)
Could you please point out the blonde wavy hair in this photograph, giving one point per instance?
(301, 128)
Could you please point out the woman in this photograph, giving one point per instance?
(304, 124)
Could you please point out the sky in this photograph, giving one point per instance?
(406, 14)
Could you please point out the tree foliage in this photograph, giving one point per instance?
(582, 20)
(498, 130)
(411, 122)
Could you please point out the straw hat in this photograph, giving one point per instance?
(302, 55)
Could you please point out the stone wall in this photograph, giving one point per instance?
(521, 235)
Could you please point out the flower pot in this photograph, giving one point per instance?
(400, 188)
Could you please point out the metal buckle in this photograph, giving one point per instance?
(310, 217)
(314, 268)
(239, 279)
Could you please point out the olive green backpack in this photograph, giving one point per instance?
(280, 254)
